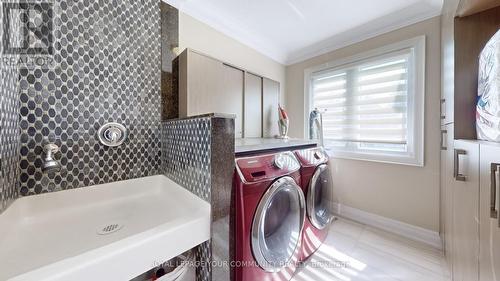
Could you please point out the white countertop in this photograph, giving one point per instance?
(257, 144)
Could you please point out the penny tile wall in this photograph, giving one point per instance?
(9, 132)
(107, 69)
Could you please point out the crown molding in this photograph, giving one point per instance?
(354, 36)
(377, 27)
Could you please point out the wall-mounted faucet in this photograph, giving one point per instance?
(49, 163)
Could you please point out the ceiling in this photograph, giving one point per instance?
(291, 31)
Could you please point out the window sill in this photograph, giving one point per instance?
(377, 158)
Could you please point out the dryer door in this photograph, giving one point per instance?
(319, 197)
(277, 225)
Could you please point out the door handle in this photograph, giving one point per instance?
(444, 145)
(494, 192)
(456, 167)
(443, 111)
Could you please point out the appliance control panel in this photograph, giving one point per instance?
(312, 157)
(268, 166)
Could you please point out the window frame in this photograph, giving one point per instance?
(416, 101)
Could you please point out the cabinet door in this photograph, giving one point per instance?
(252, 123)
(204, 87)
(466, 211)
(270, 102)
(448, 60)
(447, 191)
(489, 220)
(230, 100)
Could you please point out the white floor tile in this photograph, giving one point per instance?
(346, 227)
(403, 249)
(355, 252)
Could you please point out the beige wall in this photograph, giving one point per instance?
(404, 193)
(201, 37)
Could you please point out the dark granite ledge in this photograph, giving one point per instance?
(258, 145)
(206, 115)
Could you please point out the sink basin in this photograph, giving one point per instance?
(107, 232)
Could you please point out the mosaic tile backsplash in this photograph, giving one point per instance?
(108, 67)
(186, 154)
(9, 130)
(186, 159)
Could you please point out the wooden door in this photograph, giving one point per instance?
(489, 260)
(466, 211)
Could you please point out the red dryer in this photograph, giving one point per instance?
(268, 217)
(318, 189)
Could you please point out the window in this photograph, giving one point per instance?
(372, 104)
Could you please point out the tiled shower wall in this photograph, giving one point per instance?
(9, 132)
(107, 69)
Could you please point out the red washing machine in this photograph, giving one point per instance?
(268, 217)
(318, 189)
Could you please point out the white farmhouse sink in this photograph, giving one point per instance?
(60, 236)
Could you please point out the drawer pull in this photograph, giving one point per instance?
(494, 190)
(456, 169)
(443, 109)
(444, 145)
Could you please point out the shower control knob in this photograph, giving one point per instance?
(112, 134)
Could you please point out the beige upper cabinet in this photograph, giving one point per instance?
(207, 85)
(466, 211)
(199, 78)
(270, 102)
(230, 99)
(489, 213)
(253, 106)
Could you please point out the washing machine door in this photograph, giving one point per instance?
(277, 225)
(319, 197)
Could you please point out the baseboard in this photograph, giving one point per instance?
(409, 231)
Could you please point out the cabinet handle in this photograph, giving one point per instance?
(444, 145)
(443, 111)
(494, 194)
(456, 171)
